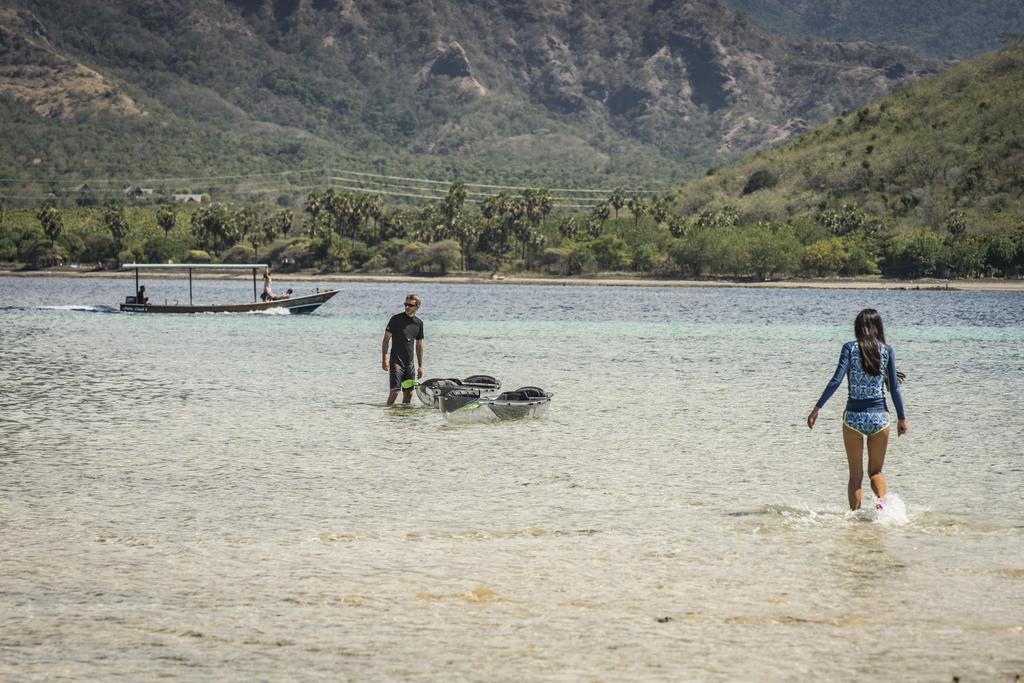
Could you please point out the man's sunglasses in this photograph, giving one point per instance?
(409, 305)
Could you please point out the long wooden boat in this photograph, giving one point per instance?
(295, 304)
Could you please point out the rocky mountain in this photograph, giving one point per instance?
(540, 91)
(942, 28)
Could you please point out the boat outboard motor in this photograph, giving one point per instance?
(430, 390)
(457, 399)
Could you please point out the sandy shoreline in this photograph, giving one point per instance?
(610, 280)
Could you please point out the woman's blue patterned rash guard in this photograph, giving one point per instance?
(867, 392)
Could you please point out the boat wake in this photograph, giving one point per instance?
(79, 308)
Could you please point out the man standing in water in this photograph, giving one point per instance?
(404, 332)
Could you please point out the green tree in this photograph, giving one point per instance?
(569, 227)
(915, 255)
(214, 228)
(772, 248)
(505, 216)
(1006, 254)
(966, 257)
(166, 218)
(956, 225)
(601, 212)
(717, 220)
(117, 224)
(537, 204)
(638, 207)
(367, 208)
(255, 228)
(661, 208)
(51, 221)
(677, 226)
(617, 200)
(692, 253)
(467, 232)
(824, 257)
(282, 222)
(442, 255)
(453, 203)
(645, 256)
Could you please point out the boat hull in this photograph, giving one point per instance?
(299, 305)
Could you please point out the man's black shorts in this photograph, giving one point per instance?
(400, 373)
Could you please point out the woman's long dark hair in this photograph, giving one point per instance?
(870, 337)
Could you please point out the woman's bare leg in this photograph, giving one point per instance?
(877, 445)
(853, 442)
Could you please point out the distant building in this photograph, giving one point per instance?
(136, 191)
(197, 198)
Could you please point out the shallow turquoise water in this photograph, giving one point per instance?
(226, 495)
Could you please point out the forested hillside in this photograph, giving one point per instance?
(928, 181)
(951, 143)
(643, 92)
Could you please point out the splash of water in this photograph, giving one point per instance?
(893, 511)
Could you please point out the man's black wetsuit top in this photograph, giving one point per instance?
(405, 331)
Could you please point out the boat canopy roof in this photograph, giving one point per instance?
(189, 266)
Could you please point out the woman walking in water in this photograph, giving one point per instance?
(868, 364)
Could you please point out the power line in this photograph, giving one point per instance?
(166, 179)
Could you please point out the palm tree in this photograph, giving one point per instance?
(214, 228)
(51, 221)
(113, 218)
(282, 222)
(569, 227)
(661, 208)
(371, 209)
(166, 219)
(467, 232)
(638, 206)
(601, 212)
(617, 200)
(452, 207)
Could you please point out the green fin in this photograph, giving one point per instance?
(409, 384)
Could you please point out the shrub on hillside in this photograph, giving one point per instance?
(759, 180)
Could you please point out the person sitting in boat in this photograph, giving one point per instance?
(140, 296)
(268, 294)
(286, 295)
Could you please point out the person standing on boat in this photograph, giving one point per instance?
(404, 334)
(869, 365)
(268, 294)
